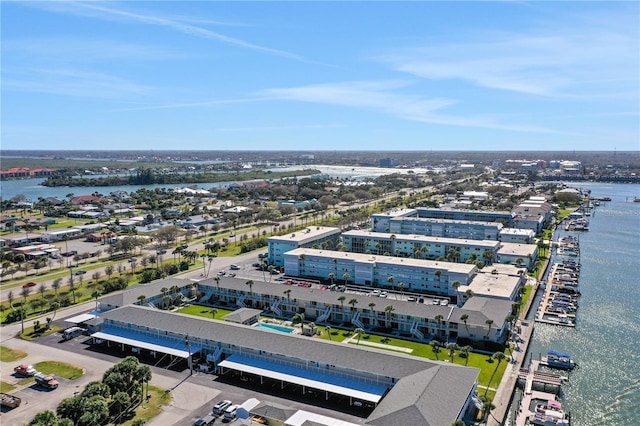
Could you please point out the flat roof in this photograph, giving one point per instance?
(304, 418)
(313, 379)
(145, 341)
(493, 285)
(453, 221)
(309, 233)
(515, 249)
(463, 268)
(424, 238)
(80, 318)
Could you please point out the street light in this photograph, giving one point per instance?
(188, 343)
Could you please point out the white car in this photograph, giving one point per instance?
(383, 294)
(444, 302)
(375, 293)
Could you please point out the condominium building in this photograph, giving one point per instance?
(375, 270)
(313, 236)
(419, 246)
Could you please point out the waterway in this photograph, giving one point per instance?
(605, 389)
(32, 188)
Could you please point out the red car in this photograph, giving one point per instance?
(27, 285)
(25, 370)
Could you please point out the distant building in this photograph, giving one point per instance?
(319, 236)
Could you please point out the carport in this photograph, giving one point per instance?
(307, 378)
(137, 340)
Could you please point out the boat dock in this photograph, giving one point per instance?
(533, 379)
(530, 408)
(559, 303)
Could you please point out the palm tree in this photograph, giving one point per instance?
(328, 330)
(435, 346)
(141, 299)
(341, 299)
(54, 307)
(464, 318)
(466, 350)
(250, 284)
(401, 288)
(499, 356)
(489, 323)
(213, 311)
(96, 294)
(438, 319)
(456, 285)
(298, 318)
(487, 406)
(353, 303)
(438, 274)
(391, 280)
(452, 347)
(388, 310)
(359, 331)
(346, 277)
(332, 277)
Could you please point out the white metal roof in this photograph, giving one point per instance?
(303, 381)
(140, 344)
(80, 318)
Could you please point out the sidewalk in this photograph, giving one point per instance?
(509, 380)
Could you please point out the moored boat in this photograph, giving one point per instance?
(560, 360)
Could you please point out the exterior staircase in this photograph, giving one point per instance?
(415, 330)
(325, 315)
(356, 321)
(276, 309)
(240, 302)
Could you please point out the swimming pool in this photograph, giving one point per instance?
(274, 327)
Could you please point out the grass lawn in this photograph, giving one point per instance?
(10, 355)
(204, 311)
(60, 369)
(6, 387)
(151, 408)
(31, 334)
(484, 362)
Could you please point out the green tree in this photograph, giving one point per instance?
(359, 331)
(499, 356)
(435, 346)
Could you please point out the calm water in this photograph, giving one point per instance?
(605, 390)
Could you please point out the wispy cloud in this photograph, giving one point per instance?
(99, 11)
(383, 97)
(540, 62)
(72, 49)
(278, 128)
(72, 82)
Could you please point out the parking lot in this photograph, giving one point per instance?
(193, 395)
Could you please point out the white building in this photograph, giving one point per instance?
(313, 236)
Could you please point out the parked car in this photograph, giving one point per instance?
(27, 285)
(132, 259)
(230, 413)
(234, 267)
(384, 294)
(205, 421)
(375, 293)
(221, 273)
(411, 299)
(25, 370)
(220, 406)
(161, 251)
(80, 272)
(46, 381)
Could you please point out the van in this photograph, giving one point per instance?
(230, 412)
(220, 406)
(72, 332)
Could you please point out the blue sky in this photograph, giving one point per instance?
(206, 75)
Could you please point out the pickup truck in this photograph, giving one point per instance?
(9, 401)
(25, 370)
(46, 381)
